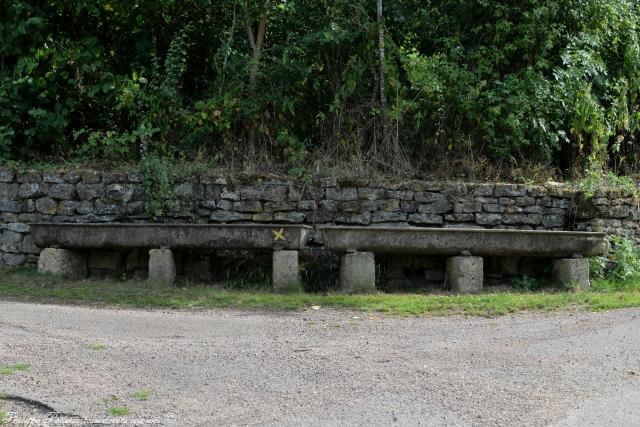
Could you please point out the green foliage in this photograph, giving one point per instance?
(551, 82)
(595, 180)
(526, 283)
(157, 184)
(620, 269)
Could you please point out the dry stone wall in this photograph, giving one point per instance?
(94, 196)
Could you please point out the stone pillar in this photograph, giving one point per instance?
(162, 266)
(285, 271)
(63, 262)
(571, 272)
(358, 272)
(465, 274)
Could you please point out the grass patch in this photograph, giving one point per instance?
(27, 284)
(96, 346)
(4, 417)
(119, 411)
(142, 394)
(12, 369)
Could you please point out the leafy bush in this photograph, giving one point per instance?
(621, 266)
(544, 81)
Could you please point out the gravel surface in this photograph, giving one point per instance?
(323, 367)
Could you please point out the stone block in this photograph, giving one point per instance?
(67, 207)
(482, 189)
(28, 246)
(271, 193)
(358, 272)
(90, 177)
(363, 218)
(465, 274)
(381, 216)
(17, 227)
(63, 262)
(553, 220)
(455, 188)
(229, 216)
(8, 191)
(435, 208)
(162, 266)
(510, 190)
(52, 177)
(571, 272)
(7, 174)
(14, 260)
(89, 191)
(114, 177)
(262, 217)
(342, 194)
(247, 206)
(425, 197)
(423, 218)
(72, 177)
(11, 241)
(10, 206)
(372, 193)
(404, 195)
(408, 206)
(285, 272)
(29, 176)
(104, 207)
(230, 195)
(329, 205)
(294, 217)
(489, 219)
(119, 192)
(277, 207)
(32, 190)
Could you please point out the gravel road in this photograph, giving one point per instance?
(324, 367)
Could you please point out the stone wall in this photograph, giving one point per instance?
(95, 196)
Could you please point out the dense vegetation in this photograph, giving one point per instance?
(460, 85)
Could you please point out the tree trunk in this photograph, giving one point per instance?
(381, 80)
(256, 47)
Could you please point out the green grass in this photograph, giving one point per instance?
(4, 417)
(12, 369)
(28, 285)
(119, 411)
(142, 394)
(96, 346)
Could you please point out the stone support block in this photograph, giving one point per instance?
(162, 266)
(358, 272)
(465, 274)
(571, 272)
(285, 273)
(63, 262)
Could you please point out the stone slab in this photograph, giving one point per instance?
(174, 236)
(455, 241)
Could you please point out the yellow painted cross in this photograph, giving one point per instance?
(278, 234)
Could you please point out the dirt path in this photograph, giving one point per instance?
(322, 367)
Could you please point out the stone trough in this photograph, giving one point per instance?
(465, 249)
(66, 245)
